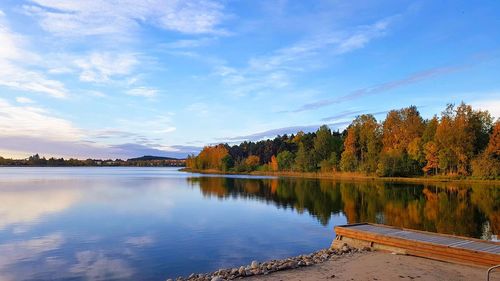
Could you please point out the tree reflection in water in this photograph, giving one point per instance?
(462, 209)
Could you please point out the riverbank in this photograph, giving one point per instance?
(348, 176)
(348, 264)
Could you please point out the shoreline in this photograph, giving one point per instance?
(346, 264)
(255, 268)
(347, 176)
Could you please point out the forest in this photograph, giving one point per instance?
(460, 142)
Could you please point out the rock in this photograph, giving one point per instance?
(254, 264)
(241, 270)
(191, 276)
(345, 249)
(216, 278)
(234, 271)
(170, 279)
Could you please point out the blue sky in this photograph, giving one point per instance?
(119, 79)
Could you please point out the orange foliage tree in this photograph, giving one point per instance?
(273, 165)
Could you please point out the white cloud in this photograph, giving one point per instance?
(34, 122)
(292, 57)
(188, 43)
(14, 70)
(274, 71)
(11, 45)
(20, 78)
(493, 106)
(101, 67)
(143, 92)
(82, 18)
(24, 100)
(25, 130)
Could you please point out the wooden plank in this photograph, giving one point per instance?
(425, 244)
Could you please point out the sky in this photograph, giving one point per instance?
(121, 79)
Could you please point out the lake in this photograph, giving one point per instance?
(159, 223)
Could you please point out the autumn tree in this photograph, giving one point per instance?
(252, 162)
(401, 143)
(460, 134)
(362, 145)
(273, 164)
(431, 157)
(211, 157)
(349, 159)
(493, 149)
(400, 128)
(487, 164)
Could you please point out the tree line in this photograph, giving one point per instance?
(36, 160)
(461, 141)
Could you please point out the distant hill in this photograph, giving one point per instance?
(149, 157)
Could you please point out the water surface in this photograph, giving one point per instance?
(158, 223)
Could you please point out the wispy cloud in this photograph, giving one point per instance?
(350, 113)
(101, 67)
(342, 114)
(34, 122)
(188, 43)
(27, 129)
(15, 72)
(84, 18)
(334, 43)
(23, 146)
(384, 87)
(285, 130)
(145, 92)
(275, 71)
(492, 105)
(24, 100)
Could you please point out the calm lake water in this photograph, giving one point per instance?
(158, 223)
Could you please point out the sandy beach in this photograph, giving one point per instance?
(381, 266)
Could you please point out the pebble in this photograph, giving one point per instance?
(241, 270)
(256, 268)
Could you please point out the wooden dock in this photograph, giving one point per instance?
(436, 246)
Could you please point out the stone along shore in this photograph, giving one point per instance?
(264, 268)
